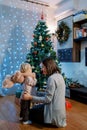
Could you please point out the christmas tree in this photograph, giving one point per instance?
(41, 47)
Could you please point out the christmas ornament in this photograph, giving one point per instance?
(42, 45)
(40, 38)
(42, 16)
(33, 35)
(35, 43)
(47, 38)
(35, 52)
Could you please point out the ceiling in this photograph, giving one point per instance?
(51, 2)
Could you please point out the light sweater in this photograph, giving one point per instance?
(54, 99)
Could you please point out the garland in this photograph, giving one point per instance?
(63, 32)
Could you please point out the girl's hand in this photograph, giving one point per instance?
(34, 75)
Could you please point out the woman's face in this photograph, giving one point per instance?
(43, 69)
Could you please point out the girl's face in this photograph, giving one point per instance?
(43, 69)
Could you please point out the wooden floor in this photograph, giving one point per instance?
(9, 114)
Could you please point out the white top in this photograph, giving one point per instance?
(28, 85)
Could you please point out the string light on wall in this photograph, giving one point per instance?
(17, 25)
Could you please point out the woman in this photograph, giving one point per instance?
(52, 107)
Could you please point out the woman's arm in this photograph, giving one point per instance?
(43, 99)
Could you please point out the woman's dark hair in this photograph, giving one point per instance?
(50, 65)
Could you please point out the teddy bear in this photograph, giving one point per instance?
(10, 80)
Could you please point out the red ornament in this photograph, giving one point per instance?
(35, 43)
(35, 52)
(47, 38)
(33, 35)
(42, 16)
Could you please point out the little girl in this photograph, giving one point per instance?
(28, 84)
(28, 80)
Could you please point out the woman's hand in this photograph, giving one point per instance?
(26, 97)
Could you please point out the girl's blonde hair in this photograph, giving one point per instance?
(25, 67)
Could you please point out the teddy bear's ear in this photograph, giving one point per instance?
(17, 78)
(7, 83)
(14, 78)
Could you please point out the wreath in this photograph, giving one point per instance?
(63, 32)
